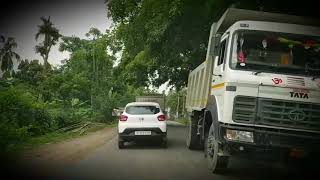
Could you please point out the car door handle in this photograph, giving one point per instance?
(217, 75)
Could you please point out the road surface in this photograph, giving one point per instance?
(150, 161)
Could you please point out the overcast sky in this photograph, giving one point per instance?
(19, 19)
(71, 17)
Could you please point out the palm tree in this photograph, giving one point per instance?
(50, 36)
(7, 55)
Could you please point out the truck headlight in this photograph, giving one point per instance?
(236, 135)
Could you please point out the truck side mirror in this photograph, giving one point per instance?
(215, 64)
(214, 45)
(217, 70)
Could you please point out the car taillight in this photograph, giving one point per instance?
(123, 118)
(162, 118)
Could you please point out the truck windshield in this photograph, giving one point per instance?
(276, 52)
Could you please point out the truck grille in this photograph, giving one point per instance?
(244, 109)
(273, 112)
(293, 81)
(288, 114)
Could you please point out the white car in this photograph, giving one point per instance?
(142, 121)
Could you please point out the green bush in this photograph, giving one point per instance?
(60, 117)
(21, 115)
(11, 135)
(65, 112)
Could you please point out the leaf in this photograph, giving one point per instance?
(74, 102)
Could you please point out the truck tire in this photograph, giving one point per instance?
(193, 140)
(120, 143)
(205, 145)
(216, 162)
(164, 142)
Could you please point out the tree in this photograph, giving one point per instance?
(89, 71)
(72, 44)
(171, 36)
(30, 72)
(50, 35)
(94, 32)
(7, 54)
(176, 102)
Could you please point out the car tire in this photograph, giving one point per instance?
(120, 143)
(193, 140)
(216, 162)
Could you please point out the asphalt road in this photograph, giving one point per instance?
(149, 161)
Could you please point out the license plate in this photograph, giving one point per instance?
(139, 133)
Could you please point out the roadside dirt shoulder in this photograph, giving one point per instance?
(66, 152)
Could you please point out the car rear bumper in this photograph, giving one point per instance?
(122, 126)
(129, 134)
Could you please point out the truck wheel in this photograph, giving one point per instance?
(205, 144)
(120, 143)
(193, 140)
(164, 143)
(216, 162)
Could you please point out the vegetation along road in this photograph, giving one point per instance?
(96, 156)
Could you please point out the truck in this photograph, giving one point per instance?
(160, 99)
(257, 94)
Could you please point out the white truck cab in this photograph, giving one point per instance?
(258, 89)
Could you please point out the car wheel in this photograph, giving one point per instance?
(120, 143)
(216, 162)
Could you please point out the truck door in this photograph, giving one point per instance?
(217, 85)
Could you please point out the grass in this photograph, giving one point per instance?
(183, 121)
(54, 137)
(48, 138)
(113, 123)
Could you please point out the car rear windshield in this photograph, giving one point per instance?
(135, 110)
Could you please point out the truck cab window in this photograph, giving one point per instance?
(222, 52)
(276, 52)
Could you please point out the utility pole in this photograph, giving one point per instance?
(94, 75)
(177, 111)
(183, 101)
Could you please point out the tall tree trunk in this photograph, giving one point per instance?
(45, 58)
(46, 63)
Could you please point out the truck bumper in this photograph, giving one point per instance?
(272, 144)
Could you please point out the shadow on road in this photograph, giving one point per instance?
(144, 145)
(244, 169)
(172, 142)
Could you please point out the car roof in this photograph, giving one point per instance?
(143, 103)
